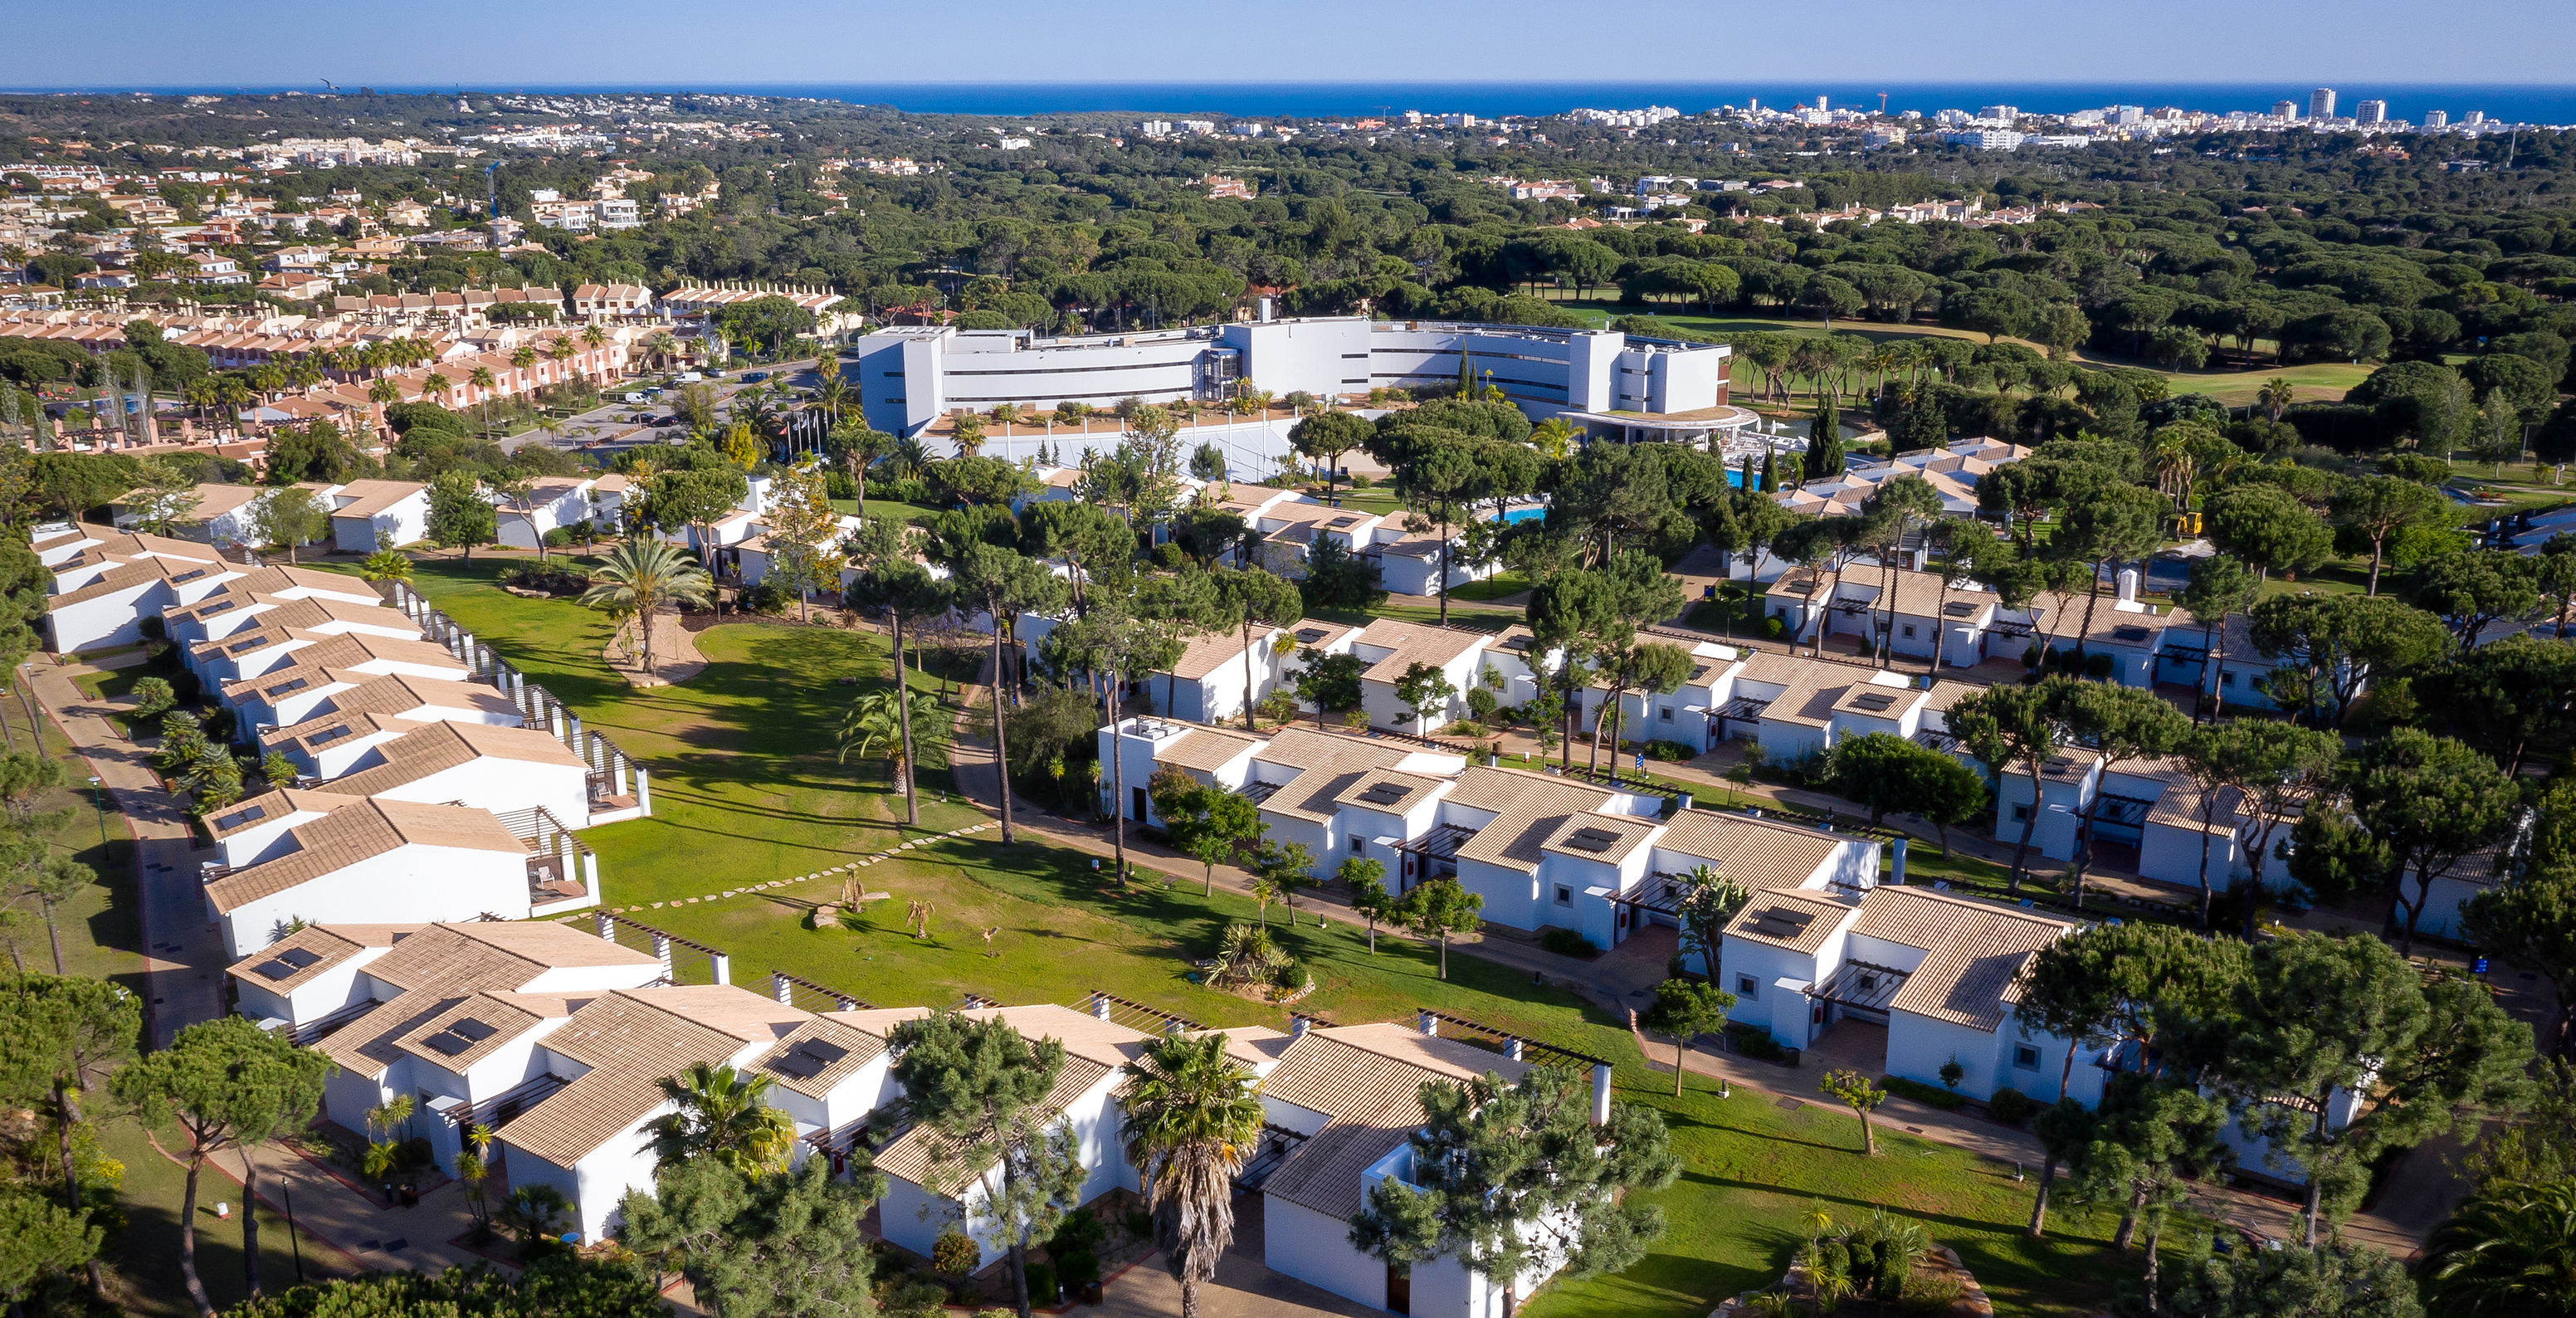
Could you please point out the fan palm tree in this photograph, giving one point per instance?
(725, 1115)
(482, 380)
(523, 357)
(384, 391)
(1192, 1122)
(639, 577)
(2169, 456)
(2276, 396)
(592, 336)
(534, 1211)
(2510, 1250)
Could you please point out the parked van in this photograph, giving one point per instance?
(634, 397)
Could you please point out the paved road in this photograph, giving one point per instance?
(183, 954)
(184, 963)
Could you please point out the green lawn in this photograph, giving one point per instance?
(2314, 381)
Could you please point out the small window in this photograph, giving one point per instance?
(1747, 987)
(1564, 895)
(2020, 813)
(2226, 679)
(2025, 1057)
(1909, 631)
(1359, 847)
(1666, 715)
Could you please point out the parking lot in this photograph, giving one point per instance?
(618, 425)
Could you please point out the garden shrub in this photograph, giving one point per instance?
(1773, 628)
(1079, 1269)
(1670, 752)
(1362, 481)
(1927, 1095)
(1291, 975)
(1042, 1284)
(954, 1254)
(152, 627)
(1753, 1041)
(2098, 664)
(768, 595)
(1464, 728)
(1566, 942)
(1481, 703)
(2010, 1106)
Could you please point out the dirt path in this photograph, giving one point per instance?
(675, 653)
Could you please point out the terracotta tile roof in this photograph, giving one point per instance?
(1761, 854)
(2110, 621)
(399, 694)
(1315, 793)
(1412, 643)
(1528, 810)
(437, 747)
(1825, 915)
(918, 1154)
(1367, 1080)
(1207, 749)
(129, 576)
(1314, 632)
(332, 729)
(361, 831)
(495, 954)
(1975, 952)
(349, 650)
(1210, 651)
(861, 1048)
(270, 806)
(372, 497)
(508, 1015)
(329, 944)
(1409, 790)
(1624, 833)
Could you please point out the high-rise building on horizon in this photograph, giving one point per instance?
(2475, 118)
(2321, 103)
(2285, 109)
(2003, 114)
(2437, 118)
(2370, 112)
(1823, 103)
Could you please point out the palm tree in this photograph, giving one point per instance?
(384, 392)
(725, 1115)
(1553, 438)
(592, 336)
(2169, 456)
(1192, 1122)
(523, 357)
(639, 577)
(2276, 397)
(2510, 1250)
(386, 565)
(534, 1211)
(481, 379)
(873, 727)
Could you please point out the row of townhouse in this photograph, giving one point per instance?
(558, 1039)
(1952, 471)
(366, 515)
(1286, 525)
(1541, 850)
(1217, 671)
(430, 785)
(1824, 938)
(1918, 613)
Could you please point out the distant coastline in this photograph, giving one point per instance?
(2508, 103)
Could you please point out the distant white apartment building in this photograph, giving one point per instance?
(911, 376)
(2321, 103)
(1985, 139)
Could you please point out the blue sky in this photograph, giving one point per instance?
(488, 43)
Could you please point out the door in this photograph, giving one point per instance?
(1399, 1288)
(1140, 803)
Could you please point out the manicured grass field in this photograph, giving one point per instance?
(2314, 381)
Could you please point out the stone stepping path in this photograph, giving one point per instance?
(851, 868)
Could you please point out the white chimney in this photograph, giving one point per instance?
(2128, 585)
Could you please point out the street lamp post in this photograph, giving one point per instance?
(97, 800)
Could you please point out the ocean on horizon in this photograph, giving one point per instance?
(2508, 103)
